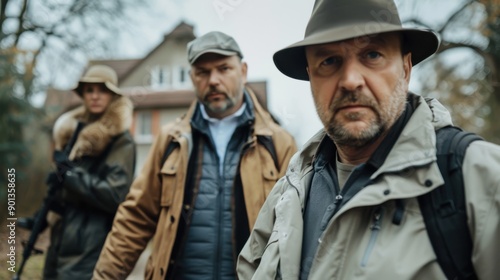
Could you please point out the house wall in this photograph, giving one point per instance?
(160, 117)
(171, 114)
(172, 55)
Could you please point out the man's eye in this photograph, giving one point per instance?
(330, 61)
(373, 55)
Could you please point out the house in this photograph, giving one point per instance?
(158, 84)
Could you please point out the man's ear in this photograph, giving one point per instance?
(244, 71)
(407, 66)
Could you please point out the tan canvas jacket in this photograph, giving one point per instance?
(361, 241)
(154, 204)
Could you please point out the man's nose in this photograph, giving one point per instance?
(214, 78)
(352, 77)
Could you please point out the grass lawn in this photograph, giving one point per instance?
(33, 269)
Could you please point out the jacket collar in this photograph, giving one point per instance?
(96, 135)
(260, 118)
(200, 123)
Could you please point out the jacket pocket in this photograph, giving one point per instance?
(270, 257)
(169, 174)
(375, 229)
(270, 176)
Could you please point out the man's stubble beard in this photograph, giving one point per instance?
(383, 120)
(229, 102)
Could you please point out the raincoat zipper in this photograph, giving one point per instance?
(375, 228)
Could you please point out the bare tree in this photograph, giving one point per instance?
(45, 43)
(465, 72)
(61, 33)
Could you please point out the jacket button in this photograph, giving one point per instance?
(428, 183)
(172, 219)
(161, 271)
(272, 173)
(386, 192)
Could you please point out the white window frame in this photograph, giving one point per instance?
(144, 128)
(161, 77)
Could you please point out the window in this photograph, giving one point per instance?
(181, 78)
(164, 77)
(144, 127)
(182, 75)
(160, 77)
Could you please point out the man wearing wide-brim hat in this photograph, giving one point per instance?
(348, 207)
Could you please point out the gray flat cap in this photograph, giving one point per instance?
(213, 42)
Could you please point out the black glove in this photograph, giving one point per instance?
(63, 164)
(53, 179)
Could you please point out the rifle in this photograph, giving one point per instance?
(40, 221)
(54, 182)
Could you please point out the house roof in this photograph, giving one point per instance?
(160, 98)
(124, 67)
(182, 30)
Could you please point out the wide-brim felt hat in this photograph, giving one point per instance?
(99, 74)
(338, 20)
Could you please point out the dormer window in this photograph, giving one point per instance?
(181, 78)
(167, 77)
(161, 77)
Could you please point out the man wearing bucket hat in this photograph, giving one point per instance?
(205, 179)
(349, 204)
(94, 156)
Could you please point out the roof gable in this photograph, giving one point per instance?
(182, 31)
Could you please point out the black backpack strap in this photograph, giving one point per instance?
(444, 210)
(170, 148)
(267, 142)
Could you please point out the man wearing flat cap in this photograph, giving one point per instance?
(354, 203)
(205, 179)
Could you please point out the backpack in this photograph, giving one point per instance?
(444, 210)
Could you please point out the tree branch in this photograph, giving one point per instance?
(3, 17)
(488, 57)
(455, 15)
(20, 28)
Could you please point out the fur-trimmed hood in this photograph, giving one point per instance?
(95, 136)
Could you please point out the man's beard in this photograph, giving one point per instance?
(227, 102)
(383, 120)
(219, 108)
